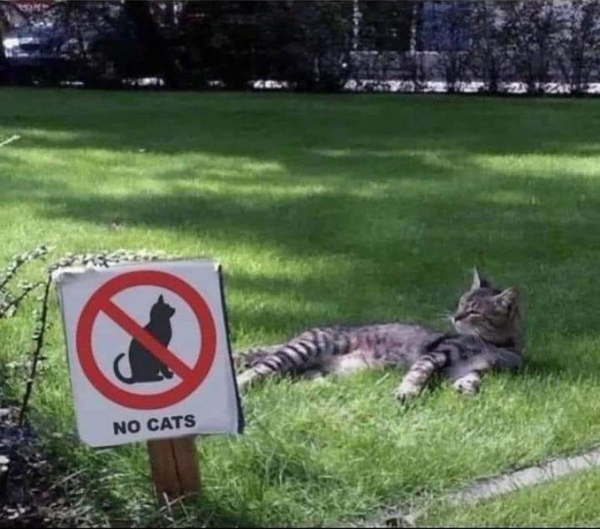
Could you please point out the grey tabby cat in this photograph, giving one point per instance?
(487, 336)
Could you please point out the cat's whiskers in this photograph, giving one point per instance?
(446, 316)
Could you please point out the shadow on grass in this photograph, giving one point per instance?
(396, 239)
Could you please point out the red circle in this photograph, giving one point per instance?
(206, 353)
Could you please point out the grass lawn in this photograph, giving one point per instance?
(567, 502)
(325, 209)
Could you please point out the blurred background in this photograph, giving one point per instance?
(352, 45)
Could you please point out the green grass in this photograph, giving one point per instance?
(567, 502)
(326, 209)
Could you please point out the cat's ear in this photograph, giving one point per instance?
(161, 300)
(478, 280)
(507, 298)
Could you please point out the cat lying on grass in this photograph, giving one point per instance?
(487, 337)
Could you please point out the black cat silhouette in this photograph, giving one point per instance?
(145, 367)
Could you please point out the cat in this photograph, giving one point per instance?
(487, 336)
(145, 367)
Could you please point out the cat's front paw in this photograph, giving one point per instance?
(468, 385)
(406, 392)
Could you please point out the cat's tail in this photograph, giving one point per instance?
(118, 372)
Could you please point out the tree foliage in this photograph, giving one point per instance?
(320, 45)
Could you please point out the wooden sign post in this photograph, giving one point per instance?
(150, 360)
(175, 468)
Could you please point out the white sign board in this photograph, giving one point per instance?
(148, 351)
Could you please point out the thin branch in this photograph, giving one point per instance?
(38, 343)
(10, 140)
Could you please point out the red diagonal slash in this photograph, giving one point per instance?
(130, 326)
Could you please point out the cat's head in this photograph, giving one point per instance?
(161, 310)
(488, 312)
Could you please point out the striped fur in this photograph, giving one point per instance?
(486, 337)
